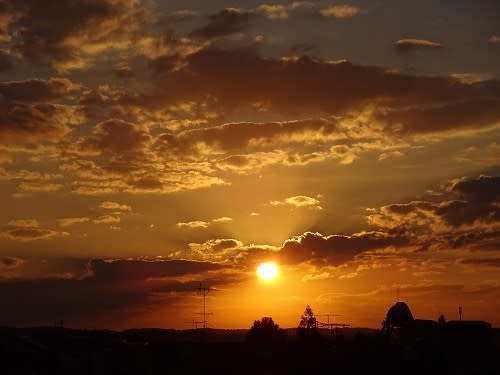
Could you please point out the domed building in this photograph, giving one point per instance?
(398, 316)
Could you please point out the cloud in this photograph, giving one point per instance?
(109, 205)
(471, 203)
(123, 270)
(468, 114)
(492, 262)
(107, 219)
(10, 262)
(480, 189)
(235, 20)
(336, 249)
(24, 223)
(30, 234)
(26, 175)
(495, 39)
(334, 88)
(110, 293)
(299, 201)
(409, 45)
(236, 136)
(118, 138)
(193, 224)
(180, 15)
(216, 246)
(6, 61)
(223, 219)
(281, 11)
(340, 11)
(226, 22)
(38, 90)
(30, 125)
(38, 187)
(390, 155)
(89, 27)
(69, 221)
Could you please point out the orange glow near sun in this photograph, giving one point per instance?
(267, 271)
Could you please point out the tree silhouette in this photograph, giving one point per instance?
(442, 319)
(307, 332)
(308, 320)
(266, 331)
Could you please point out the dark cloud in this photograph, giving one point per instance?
(21, 124)
(29, 234)
(483, 188)
(472, 202)
(6, 62)
(410, 45)
(163, 64)
(26, 117)
(228, 80)
(10, 262)
(109, 293)
(122, 270)
(337, 249)
(123, 72)
(473, 113)
(37, 90)
(226, 22)
(53, 32)
(493, 262)
(234, 136)
(117, 137)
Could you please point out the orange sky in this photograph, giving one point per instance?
(146, 148)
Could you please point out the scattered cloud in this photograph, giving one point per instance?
(110, 205)
(340, 11)
(390, 155)
(69, 221)
(38, 187)
(107, 219)
(226, 22)
(299, 201)
(31, 234)
(223, 219)
(193, 224)
(409, 45)
(24, 223)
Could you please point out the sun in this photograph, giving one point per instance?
(267, 271)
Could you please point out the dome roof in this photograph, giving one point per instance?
(399, 314)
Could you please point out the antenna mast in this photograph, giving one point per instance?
(204, 291)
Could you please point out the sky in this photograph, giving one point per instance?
(149, 147)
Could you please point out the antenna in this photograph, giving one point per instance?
(329, 325)
(204, 291)
(195, 323)
(328, 317)
(460, 312)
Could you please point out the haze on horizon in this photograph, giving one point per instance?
(148, 147)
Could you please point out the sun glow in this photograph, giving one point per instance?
(267, 271)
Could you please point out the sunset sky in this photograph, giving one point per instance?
(148, 146)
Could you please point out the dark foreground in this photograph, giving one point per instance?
(155, 351)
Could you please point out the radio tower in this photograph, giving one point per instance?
(204, 291)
